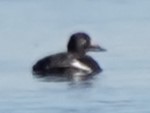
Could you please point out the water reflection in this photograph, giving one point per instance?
(70, 78)
(72, 81)
(62, 78)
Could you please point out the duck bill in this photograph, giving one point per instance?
(96, 48)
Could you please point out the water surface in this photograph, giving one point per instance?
(30, 30)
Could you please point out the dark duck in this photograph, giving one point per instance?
(74, 62)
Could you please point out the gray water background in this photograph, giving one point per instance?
(32, 29)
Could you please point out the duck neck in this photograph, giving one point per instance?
(77, 54)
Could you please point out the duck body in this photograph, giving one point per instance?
(66, 64)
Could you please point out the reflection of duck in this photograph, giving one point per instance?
(74, 62)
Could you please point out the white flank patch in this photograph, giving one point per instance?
(81, 66)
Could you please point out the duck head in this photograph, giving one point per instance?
(80, 43)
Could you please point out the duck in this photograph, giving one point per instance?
(73, 62)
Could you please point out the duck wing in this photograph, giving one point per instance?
(53, 63)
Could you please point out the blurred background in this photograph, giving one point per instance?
(32, 29)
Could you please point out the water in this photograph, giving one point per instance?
(32, 29)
